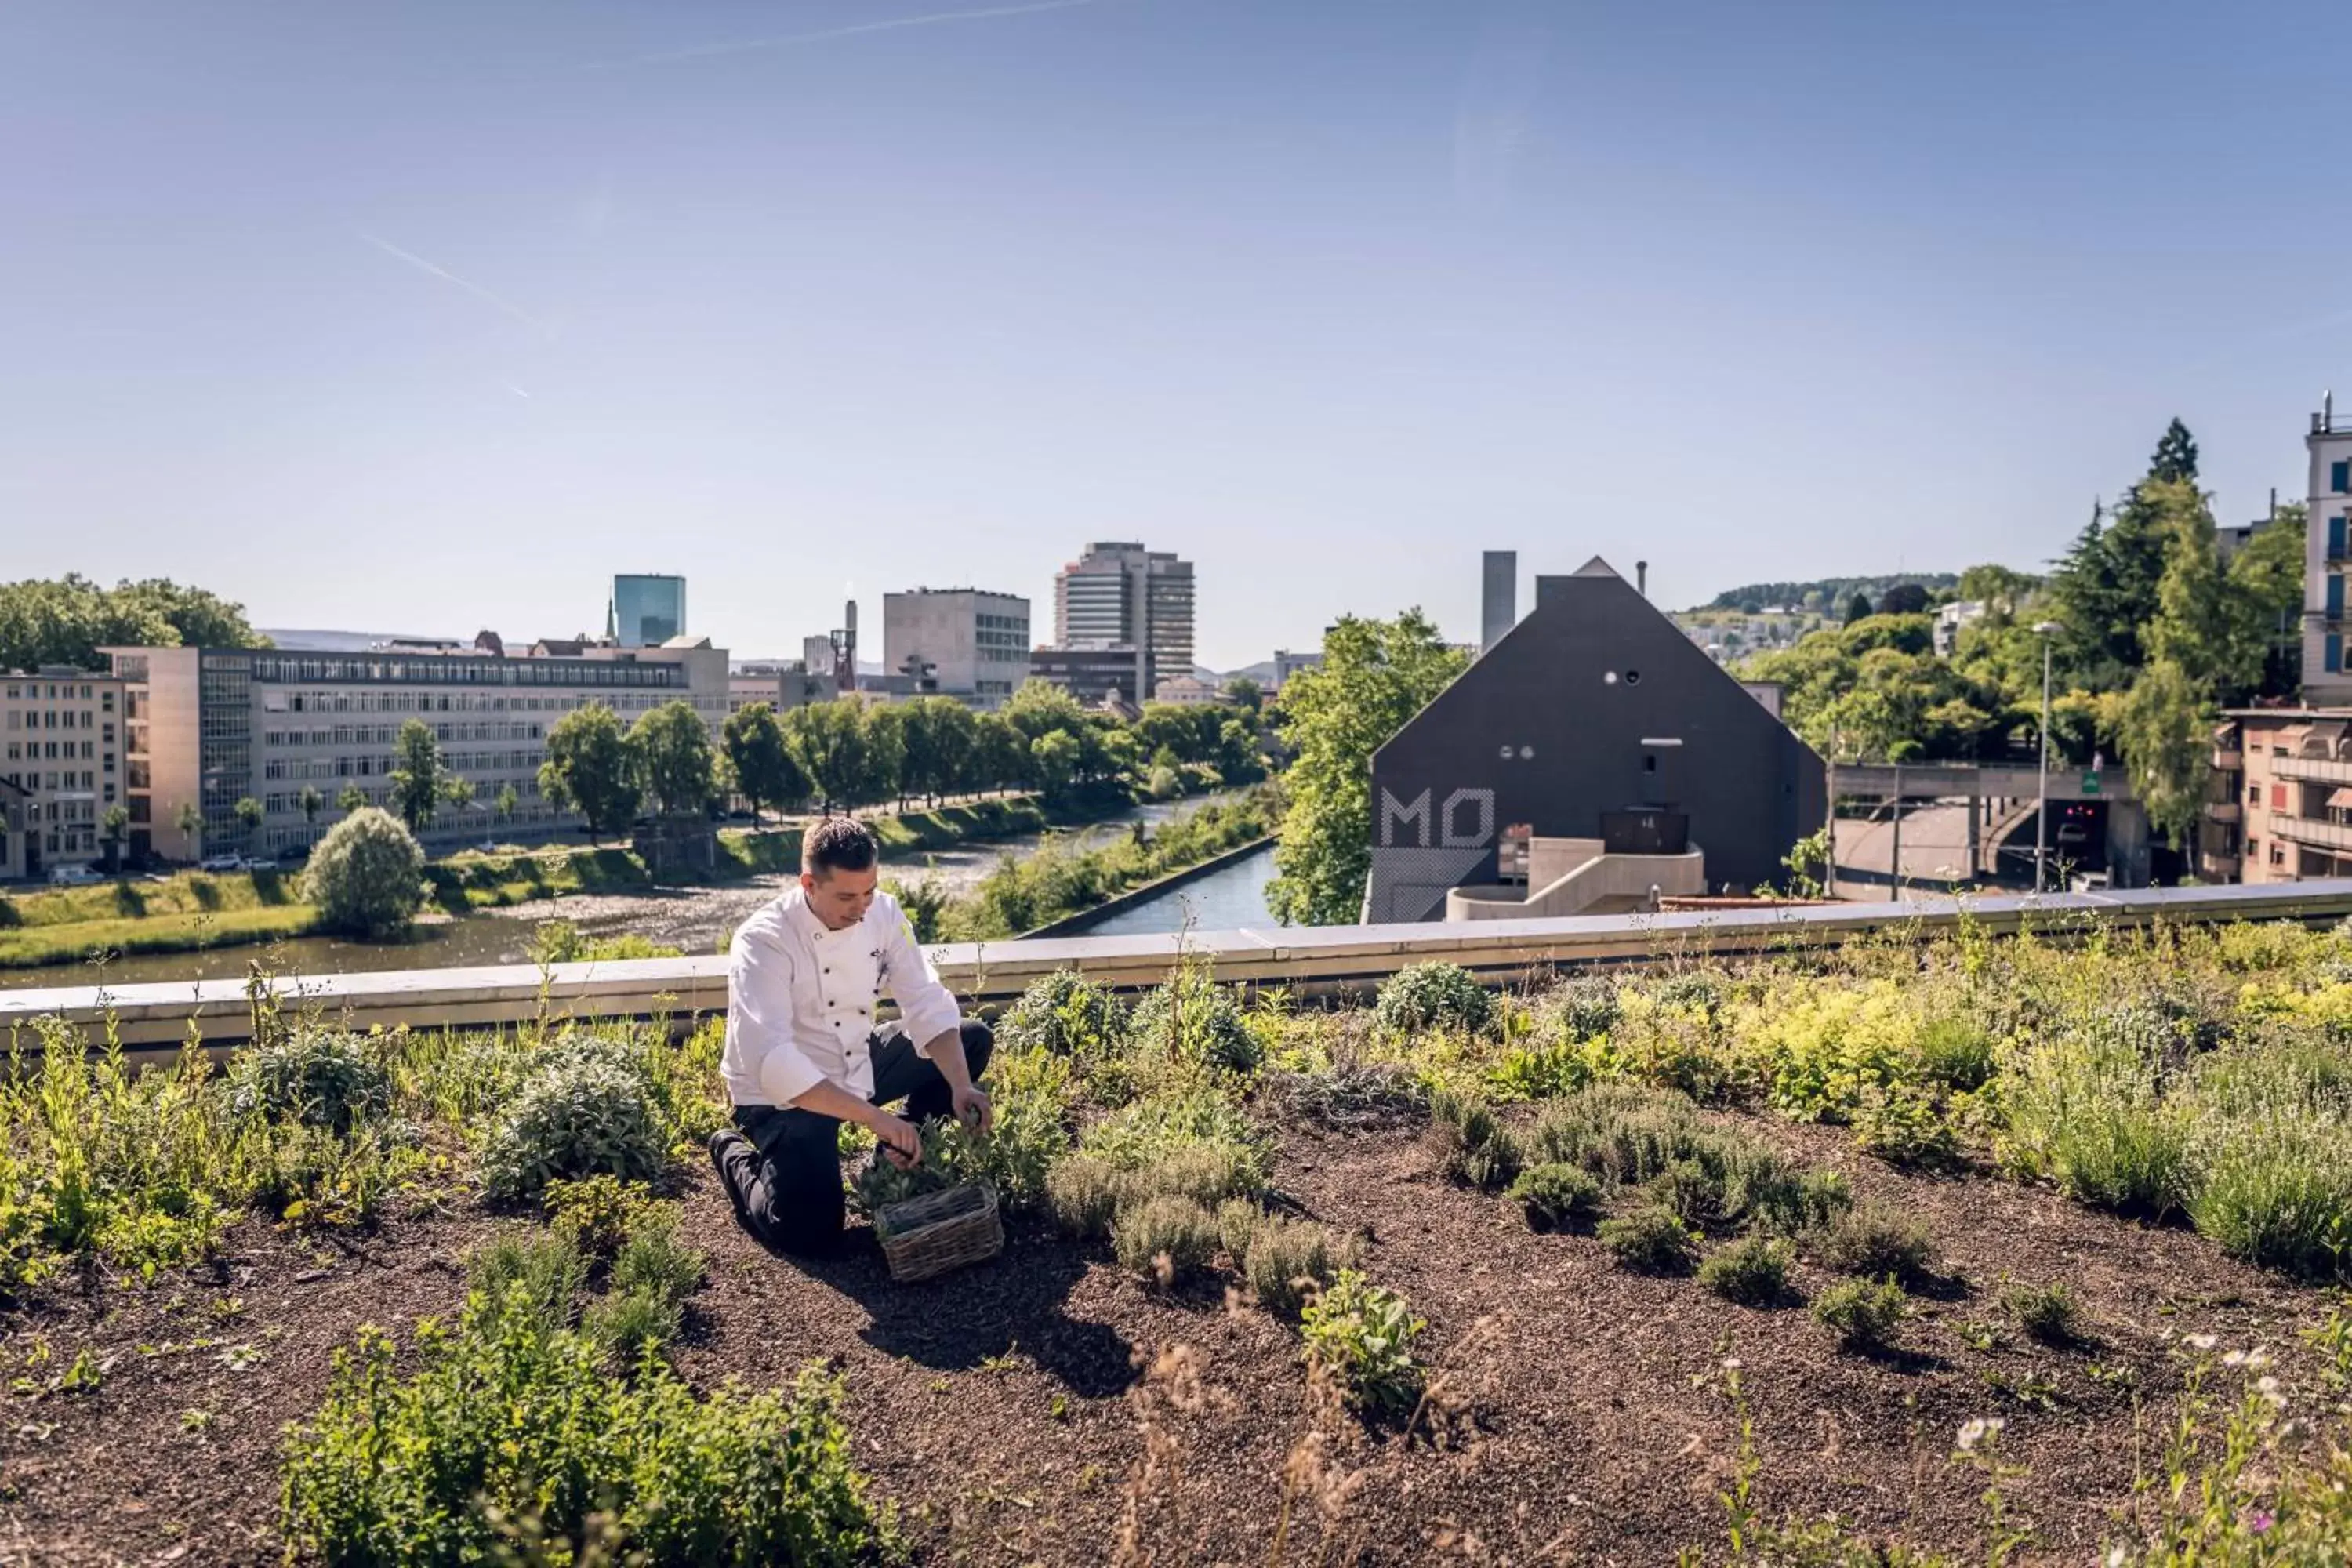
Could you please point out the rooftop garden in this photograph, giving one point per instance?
(1986, 1251)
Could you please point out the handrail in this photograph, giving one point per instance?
(1306, 961)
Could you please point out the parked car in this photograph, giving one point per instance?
(73, 877)
(221, 863)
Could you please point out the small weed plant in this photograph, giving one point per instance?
(1165, 1238)
(1555, 1196)
(1752, 1271)
(1424, 996)
(2047, 1314)
(1863, 1316)
(1650, 1240)
(1360, 1336)
(1471, 1142)
(1879, 1243)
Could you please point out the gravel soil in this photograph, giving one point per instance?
(1047, 1408)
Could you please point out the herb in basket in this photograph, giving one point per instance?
(949, 1159)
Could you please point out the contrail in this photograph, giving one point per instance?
(790, 40)
(442, 273)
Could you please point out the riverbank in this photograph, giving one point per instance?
(193, 913)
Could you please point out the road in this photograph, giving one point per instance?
(1934, 851)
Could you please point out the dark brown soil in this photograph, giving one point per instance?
(1042, 1408)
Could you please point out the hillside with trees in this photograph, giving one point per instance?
(1826, 595)
(2156, 636)
(67, 620)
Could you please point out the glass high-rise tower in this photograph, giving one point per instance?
(647, 611)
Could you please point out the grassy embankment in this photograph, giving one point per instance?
(195, 911)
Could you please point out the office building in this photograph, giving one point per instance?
(1498, 603)
(963, 643)
(19, 859)
(647, 610)
(60, 748)
(215, 725)
(1124, 594)
(781, 687)
(1106, 677)
(1287, 664)
(1598, 724)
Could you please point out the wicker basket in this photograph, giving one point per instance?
(926, 1236)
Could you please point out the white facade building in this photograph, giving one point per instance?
(2325, 683)
(973, 644)
(61, 744)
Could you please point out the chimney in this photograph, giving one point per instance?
(1498, 608)
(1642, 578)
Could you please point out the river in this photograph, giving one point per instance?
(1232, 898)
(693, 920)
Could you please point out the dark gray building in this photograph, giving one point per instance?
(1594, 718)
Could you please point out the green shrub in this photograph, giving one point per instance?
(532, 1277)
(1582, 1009)
(1555, 1195)
(1652, 1240)
(1351, 1097)
(1064, 1015)
(1146, 1131)
(628, 1326)
(1031, 1095)
(2278, 1194)
(1626, 1133)
(1207, 1174)
(1693, 991)
(1752, 1271)
(1955, 1051)
(1288, 1261)
(1540, 1072)
(1814, 1200)
(1903, 1127)
(319, 1078)
(1863, 1316)
(596, 1214)
(366, 876)
(1193, 1018)
(2047, 1314)
(502, 1420)
(651, 1279)
(1166, 1238)
(1695, 1193)
(1083, 1194)
(1423, 997)
(1360, 1336)
(575, 1118)
(1471, 1142)
(1238, 1220)
(2088, 1111)
(1879, 1243)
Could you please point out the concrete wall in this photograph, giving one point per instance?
(1601, 884)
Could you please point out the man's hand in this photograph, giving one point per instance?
(972, 1106)
(900, 1143)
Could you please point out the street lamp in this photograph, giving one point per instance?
(2045, 630)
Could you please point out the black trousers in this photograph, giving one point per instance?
(787, 1182)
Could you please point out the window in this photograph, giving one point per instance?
(2334, 651)
(2278, 797)
(2278, 854)
(2254, 795)
(2340, 478)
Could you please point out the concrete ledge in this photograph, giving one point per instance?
(1308, 961)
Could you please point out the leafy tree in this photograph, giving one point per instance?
(1053, 761)
(191, 823)
(999, 758)
(350, 797)
(2175, 456)
(249, 817)
(589, 770)
(1375, 676)
(761, 765)
(112, 825)
(829, 741)
(886, 749)
(2000, 589)
(67, 620)
(418, 775)
(1857, 609)
(2166, 727)
(1244, 692)
(935, 733)
(2266, 582)
(1904, 599)
(367, 876)
(670, 746)
(507, 803)
(310, 803)
(1041, 706)
(2198, 625)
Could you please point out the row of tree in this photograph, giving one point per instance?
(841, 754)
(2151, 635)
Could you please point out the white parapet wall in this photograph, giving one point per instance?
(1307, 961)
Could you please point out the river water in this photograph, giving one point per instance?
(1231, 898)
(693, 920)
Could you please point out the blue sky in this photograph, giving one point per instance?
(431, 316)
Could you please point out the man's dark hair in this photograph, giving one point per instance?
(838, 843)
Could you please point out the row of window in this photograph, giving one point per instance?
(57, 692)
(285, 667)
(384, 734)
(69, 778)
(466, 702)
(382, 766)
(55, 750)
(21, 719)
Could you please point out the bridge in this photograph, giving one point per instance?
(1989, 823)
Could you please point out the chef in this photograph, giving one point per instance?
(804, 1054)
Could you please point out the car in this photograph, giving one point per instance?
(486, 847)
(73, 877)
(221, 863)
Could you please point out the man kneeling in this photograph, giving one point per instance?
(803, 1052)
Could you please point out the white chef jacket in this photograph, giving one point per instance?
(799, 999)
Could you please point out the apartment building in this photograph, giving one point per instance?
(61, 746)
(2327, 557)
(213, 726)
(2279, 800)
(1109, 676)
(969, 644)
(1122, 595)
(17, 856)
